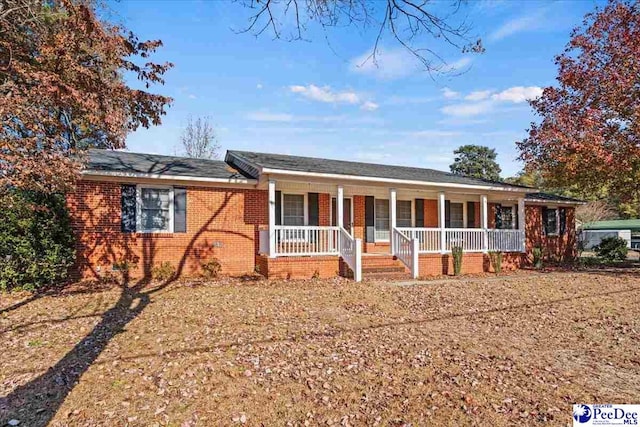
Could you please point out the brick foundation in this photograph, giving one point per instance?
(300, 267)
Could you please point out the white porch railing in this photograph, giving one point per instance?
(350, 250)
(428, 238)
(292, 240)
(471, 239)
(406, 250)
(506, 240)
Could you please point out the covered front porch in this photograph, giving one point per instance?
(328, 220)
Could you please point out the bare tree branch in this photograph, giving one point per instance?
(199, 140)
(415, 25)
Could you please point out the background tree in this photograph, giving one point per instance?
(198, 139)
(589, 134)
(476, 161)
(415, 25)
(62, 85)
(597, 210)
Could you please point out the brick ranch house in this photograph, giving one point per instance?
(299, 217)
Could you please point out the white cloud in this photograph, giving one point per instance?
(372, 156)
(389, 64)
(478, 95)
(325, 94)
(450, 94)
(518, 94)
(484, 101)
(460, 64)
(369, 106)
(467, 109)
(192, 96)
(262, 116)
(259, 86)
(517, 25)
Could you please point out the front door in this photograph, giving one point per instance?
(347, 215)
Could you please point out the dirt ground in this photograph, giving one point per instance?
(517, 350)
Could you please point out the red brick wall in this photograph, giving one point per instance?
(555, 248)
(324, 207)
(299, 267)
(221, 223)
(358, 217)
(476, 218)
(472, 263)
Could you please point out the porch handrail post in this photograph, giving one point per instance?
(442, 221)
(415, 262)
(392, 217)
(522, 223)
(357, 273)
(484, 219)
(272, 218)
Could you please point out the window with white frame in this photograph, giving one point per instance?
(156, 210)
(507, 217)
(403, 213)
(382, 219)
(550, 221)
(293, 209)
(456, 215)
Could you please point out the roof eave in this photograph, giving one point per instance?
(394, 180)
(114, 174)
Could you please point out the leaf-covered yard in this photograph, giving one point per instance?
(490, 352)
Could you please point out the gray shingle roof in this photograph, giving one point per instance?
(551, 198)
(342, 167)
(139, 163)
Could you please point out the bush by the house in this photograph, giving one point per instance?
(457, 252)
(163, 271)
(496, 260)
(36, 241)
(211, 268)
(612, 249)
(537, 257)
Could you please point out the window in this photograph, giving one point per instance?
(550, 220)
(403, 213)
(456, 215)
(382, 219)
(156, 210)
(505, 218)
(293, 209)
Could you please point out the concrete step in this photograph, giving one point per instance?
(383, 269)
(386, 276)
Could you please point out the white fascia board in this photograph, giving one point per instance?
(110, 174)
(394, 181)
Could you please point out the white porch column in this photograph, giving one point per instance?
(442, 222)
(484, 221)
(392, 216)
(272, 219)
(522, 223)
(340, 206)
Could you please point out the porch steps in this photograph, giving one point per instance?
(383, 266)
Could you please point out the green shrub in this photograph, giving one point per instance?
(496, 261)
(612, 249)
(36, 240)
(211, 269)
(456, 252)
(537, 257)
(164, 271)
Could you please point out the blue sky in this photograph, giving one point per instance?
(318, 98)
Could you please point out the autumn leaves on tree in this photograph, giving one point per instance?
(589, 134)
(62, 87)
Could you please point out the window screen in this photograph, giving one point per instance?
(293, 209)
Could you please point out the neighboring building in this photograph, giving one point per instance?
(627, 229)
(300, 217)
